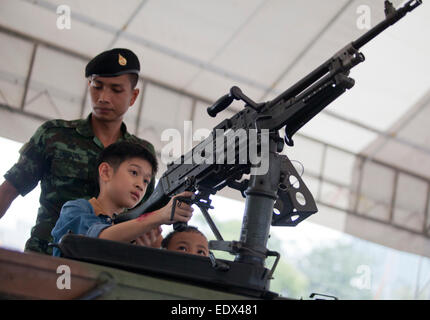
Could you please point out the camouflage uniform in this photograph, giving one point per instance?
(62, 155)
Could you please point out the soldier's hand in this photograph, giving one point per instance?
(8, 193)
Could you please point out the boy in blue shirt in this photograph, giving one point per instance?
(124, 171)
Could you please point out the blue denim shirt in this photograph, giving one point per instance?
(79, 217)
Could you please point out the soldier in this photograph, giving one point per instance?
(62, 154)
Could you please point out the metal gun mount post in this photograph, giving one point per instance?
(260, 199)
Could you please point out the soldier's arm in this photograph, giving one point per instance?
(26, 173)
(8, 193)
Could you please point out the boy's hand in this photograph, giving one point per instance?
(183, 211)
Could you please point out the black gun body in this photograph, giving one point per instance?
(292, 109)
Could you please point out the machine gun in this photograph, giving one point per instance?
(276, 196)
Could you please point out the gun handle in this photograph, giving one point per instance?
(180, 226)
(220, 105)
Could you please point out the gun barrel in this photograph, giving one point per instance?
(324, 68)
(391, 19)
(302, 84)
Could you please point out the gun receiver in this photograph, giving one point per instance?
(277, 196)
(291, 110)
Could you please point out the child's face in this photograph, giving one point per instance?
(129, 182)
(189, 242)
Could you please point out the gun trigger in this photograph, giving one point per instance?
(172, 214)
(288, 140)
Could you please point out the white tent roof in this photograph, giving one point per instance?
(193, 51)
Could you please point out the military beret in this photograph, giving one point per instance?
(113, 63)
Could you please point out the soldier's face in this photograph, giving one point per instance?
(127, 185)
(111, 97)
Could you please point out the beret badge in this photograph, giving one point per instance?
(121, 60)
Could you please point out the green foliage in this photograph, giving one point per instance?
(288, 281)
(331, 269)
(326, 269)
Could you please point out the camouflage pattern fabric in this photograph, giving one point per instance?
(62, 155)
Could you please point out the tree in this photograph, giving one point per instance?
(335, 270)
(288, 281)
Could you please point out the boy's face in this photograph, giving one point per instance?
(111, 96)
(189, 242)
(127, 185)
